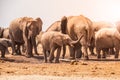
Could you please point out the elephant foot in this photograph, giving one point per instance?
(57, 61)
(104, 57)
(45, 61)
(2, 57)
(29, 56)
(93, 54)
(18, 54)
(50, 61)
(116, 56)
(62, 57)
(71, 58)
(13, 53)
(36, 53)
(98, 57)
(86, 58)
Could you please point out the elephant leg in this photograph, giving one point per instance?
(3, 53)
(78, 53)
(84, 45)
(45, 55)
(7, 51)
(58, 55)
(98, 53)
(13, 49)
(72, 52)
(91, 49)
(84, 48)
(117, 52)
(29, 48)
(112, 52)
(34, 45)
(23, 48)
(51, 57)
(64, 51)
(104, 53)
(18, 52)
(13, 43)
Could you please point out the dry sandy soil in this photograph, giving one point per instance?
(23, 68)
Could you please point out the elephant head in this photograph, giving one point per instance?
(33, 27)
(6, 42)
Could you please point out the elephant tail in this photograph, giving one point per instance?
(63, 24)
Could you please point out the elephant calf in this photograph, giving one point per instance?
(4, 44)
(53, 40)
(107, 38)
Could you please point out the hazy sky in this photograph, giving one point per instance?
(52, 10)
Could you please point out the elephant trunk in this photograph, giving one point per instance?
(75, 42)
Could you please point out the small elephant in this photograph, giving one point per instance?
(105, 39)
(4, 44)
(53, 40)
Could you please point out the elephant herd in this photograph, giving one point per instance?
(78, 32)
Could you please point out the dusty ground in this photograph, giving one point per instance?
(20, 65)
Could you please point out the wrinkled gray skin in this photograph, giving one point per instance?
(96, 27)
(24, 31)
(77, 26)
(105, 39)
(53, 40)
(4, 44)
(4, 33)
(38, 38)
(56, 26)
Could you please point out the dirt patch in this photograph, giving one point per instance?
(21, 65)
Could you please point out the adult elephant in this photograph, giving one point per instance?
(77, 26)
(96, 27)
(57, 26)
(107, 38)
(53, 40)
(24, 30)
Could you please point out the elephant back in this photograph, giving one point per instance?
(54, 27)
(118, 26)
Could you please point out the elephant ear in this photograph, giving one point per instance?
(57, 40)
(39, 25)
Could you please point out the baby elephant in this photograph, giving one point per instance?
(4, 44)
(53, 40)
